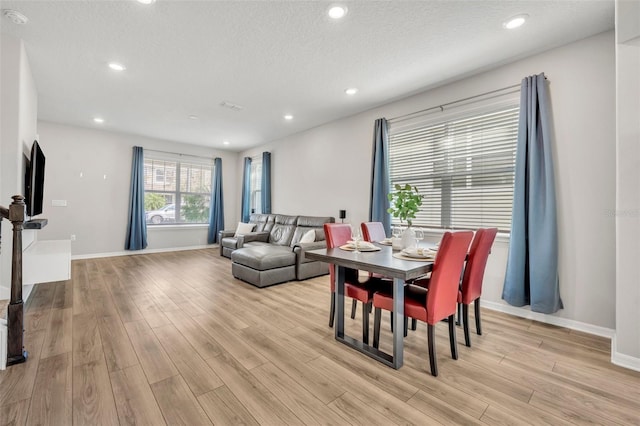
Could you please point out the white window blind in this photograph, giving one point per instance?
(177, 188)
(464, 167)
(256, 184)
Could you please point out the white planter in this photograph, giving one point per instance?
(408, 239)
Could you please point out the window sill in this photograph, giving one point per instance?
(502, 237)
(174, 227)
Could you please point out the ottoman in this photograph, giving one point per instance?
(264, 265)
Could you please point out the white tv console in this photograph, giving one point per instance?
(43, 261)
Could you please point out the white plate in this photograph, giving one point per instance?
(350, 247)
(426, 254)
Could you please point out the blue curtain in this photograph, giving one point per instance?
(532, 264)
(246, 191)
(266, 182)
(137, 226)
(380, 176)
(216, 209)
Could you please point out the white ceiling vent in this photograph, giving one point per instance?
(231, 105)
(15, 16)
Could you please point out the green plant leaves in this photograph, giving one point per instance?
(405, 202)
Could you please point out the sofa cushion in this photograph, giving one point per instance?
(314, 221)
(244, 228)
(308, 237)
(305, 224)
(282, 230)
(263, 222)
(264, 257)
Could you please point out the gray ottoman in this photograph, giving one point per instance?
(264, 265)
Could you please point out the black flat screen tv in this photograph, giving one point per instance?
(34, 181)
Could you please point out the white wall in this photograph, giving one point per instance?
(325, 169)
(78, 159)
(627, 342)
(18, 115)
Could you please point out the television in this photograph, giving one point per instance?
(34, 181)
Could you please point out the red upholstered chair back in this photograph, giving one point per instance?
(336, 234)
(476, 263)
(442, 297)
(373, 231)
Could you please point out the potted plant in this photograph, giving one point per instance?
(405, 203)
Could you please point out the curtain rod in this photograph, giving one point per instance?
(441, 107)
(179, 154)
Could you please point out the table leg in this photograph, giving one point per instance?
(395, 360)
(398, 319)
(339, 295)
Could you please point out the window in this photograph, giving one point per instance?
(464, 167)
(256, 184)
(177, 188)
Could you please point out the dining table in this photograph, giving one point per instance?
(398, 268)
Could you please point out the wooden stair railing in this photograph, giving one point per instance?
(15, 319)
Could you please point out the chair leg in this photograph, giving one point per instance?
(391, 320)
(332, 311)
(465, 324)
(354, 304)
(365, 322)
(414, 324)
(452, 338)
(458, 321)
(406, 326)
(476, 308)
(377, 316)
(432, 349)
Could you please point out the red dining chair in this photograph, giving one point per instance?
(471, 287)
(337, 234)
(436, 303)
(373, 231)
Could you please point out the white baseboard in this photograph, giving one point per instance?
(549, 319)
(3, 344)
(136, 252)
(626, 361)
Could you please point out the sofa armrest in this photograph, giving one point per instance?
(226, 233)
(252, 236)
(300, 248)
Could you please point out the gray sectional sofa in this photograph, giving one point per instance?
(273, 253)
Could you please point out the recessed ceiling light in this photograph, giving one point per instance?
(515, 22)
(226, 142)
(146, 1)
(288, 117)
(193, 117)
(15, 16)
(116, 66)
(351, 91)
(337, 12)
(98, 120)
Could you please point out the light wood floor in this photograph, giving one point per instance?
(173, 338)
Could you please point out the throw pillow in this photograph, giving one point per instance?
(243, 228)
(308, 237)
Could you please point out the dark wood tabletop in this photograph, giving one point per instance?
(381, 262)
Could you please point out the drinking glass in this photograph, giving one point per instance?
(396, 231)
(419, 236)
(356, 236)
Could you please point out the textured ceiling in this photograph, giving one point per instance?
(271, 57)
